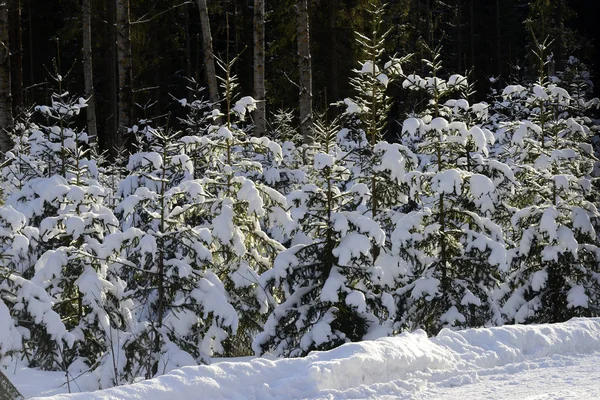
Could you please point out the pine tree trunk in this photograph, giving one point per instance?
(459, 42)
(429, 24)
(472, 34)
(112, 127)
(259, 68)
(6, 117)
(498, 40)
(188, 49)
(207, 50)
(7, 390)
(305, 70)
(560, 40)
(88, 75)
(16, 56)
(334, 92)
(125, 67)
(156, 76)
(235, 33)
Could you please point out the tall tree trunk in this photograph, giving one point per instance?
(305, 70)
(498, 40)
(235, 33)
(207, 50)
(260, 122)
(188, 50)
(112, 93)
(472, 34)
(88, 75)
(30, 50)
(125, 67)
(459, 42)
(6, 117)
(156, 75)
(560, 40)
(334, 92)
(16, 54)
(429, 24)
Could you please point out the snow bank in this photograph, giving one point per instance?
(409, 360)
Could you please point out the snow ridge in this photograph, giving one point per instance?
(407, 363)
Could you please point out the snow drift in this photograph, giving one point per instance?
(410, 361)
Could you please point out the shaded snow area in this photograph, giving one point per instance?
(537, 361)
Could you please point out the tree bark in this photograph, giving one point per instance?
(260, 123)
(6, 116)
(459, 41)
(560, 40)
(472, 34)
(124, 67)
(16, 54)
(429, 24)
(236, 33)
(188, 50)
(30, 49)
(334, 92)
(156, 72)
(112, 92)
(498, 40)
(88, 75)
(207, 50)
(7, 390)
(305, 70)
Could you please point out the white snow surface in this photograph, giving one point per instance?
(551, 361)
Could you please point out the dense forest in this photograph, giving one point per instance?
(161, 55)
(183, 181)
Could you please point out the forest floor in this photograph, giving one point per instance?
(551, 361)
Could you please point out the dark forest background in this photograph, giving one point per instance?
(486, 39)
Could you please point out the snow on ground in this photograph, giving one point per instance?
(553, 361)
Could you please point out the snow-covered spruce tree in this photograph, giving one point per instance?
(288, 172)
(455, 251)
(70, 300)
(576, 79)
(380, 167)
(324, 283)
(226, 215)
(379, 164)
(221, 147)
(282, 127)
(58, 142)
(18, 168)
(184, 312)
(200, 116)
(15, 242)
(328, 281)
(10, 337)
(250, 218)
(37, 333)
(29, 307)
(19, 165)
(90, 298)
(200, 112)
(555, 259)
(65, 183)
